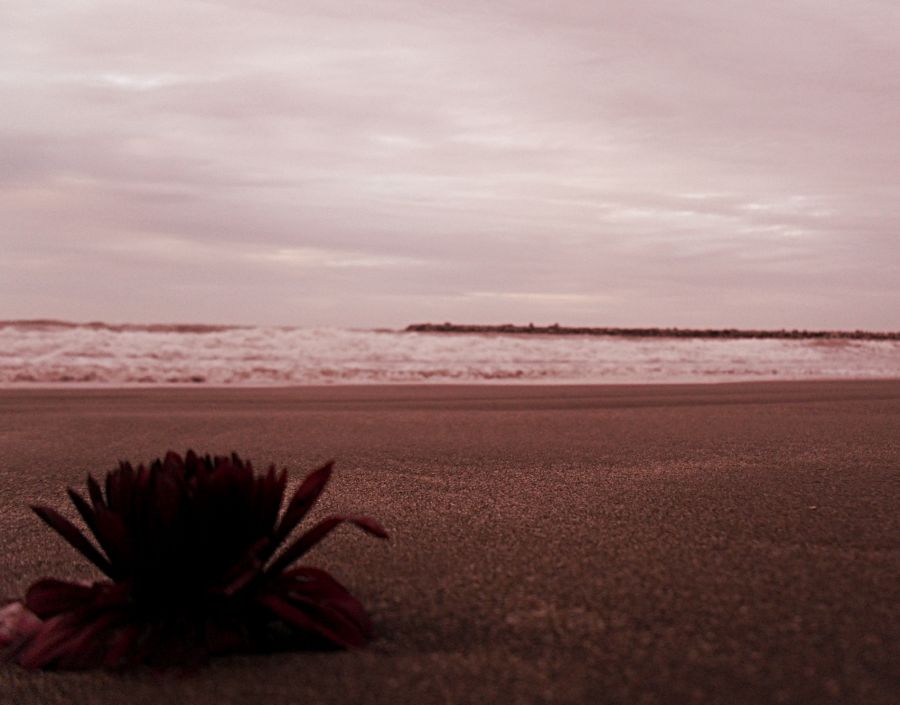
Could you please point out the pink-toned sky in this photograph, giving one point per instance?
(606, 162)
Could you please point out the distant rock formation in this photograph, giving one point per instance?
(728, 333)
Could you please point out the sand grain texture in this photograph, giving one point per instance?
(660, 544)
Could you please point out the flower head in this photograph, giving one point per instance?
(198, 559)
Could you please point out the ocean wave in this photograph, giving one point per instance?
(59, 353)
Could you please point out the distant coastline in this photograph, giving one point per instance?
(53, 323)
(48, 325)
(725, 333)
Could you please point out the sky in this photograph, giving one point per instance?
(363, 163)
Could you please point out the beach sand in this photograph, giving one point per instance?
(623, 544)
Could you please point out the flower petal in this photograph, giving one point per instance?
(74, 537)
(298, 618)
(84, 509)
(49, 597)
(315, 586)
(17, 624)
(318, 532)
(303, 499)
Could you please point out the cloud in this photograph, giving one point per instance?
(710, 163)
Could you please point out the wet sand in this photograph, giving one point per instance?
(624, 544)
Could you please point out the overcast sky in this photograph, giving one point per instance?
(605, 162)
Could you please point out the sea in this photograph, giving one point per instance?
(65, 354)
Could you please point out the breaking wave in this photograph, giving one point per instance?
(61, 353)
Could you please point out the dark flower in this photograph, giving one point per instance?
(198, 562)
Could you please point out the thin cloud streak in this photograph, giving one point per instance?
(621, 163)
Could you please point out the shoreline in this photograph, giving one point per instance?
(580, 544)
(499, 383)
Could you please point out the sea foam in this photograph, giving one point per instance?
(41, 353)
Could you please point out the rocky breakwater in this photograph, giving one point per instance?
(726, 333)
